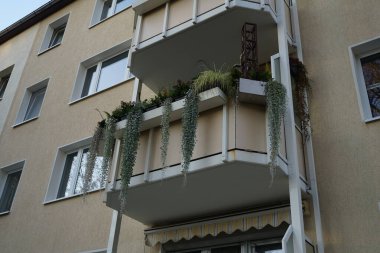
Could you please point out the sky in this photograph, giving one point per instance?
(13, 10)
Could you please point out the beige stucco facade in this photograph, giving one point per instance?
(70, 225)
(345, 148)
(14, 54)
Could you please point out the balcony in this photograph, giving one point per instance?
(228, 171)
(184, 36)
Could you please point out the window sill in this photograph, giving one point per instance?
(98, 92)
(5, 213)
(71, 197)
(48, 49)
(24, 122)
(107, 18)
(372, 119)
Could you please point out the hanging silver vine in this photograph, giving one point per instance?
(109, 141)
(165, 134)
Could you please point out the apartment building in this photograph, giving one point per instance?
(71, 61)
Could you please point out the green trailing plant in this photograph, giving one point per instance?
(302, 92)
(109, 140)
(276, 105)
(129, 150)
(189, 128)
(215, 78)
(165, 124)
(91, 158)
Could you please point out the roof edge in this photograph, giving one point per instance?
(32, 18)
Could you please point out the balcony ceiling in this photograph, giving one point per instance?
(216, 42)
(219, 190)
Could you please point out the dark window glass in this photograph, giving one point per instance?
(90, 77)
(35, 104)
(9, 191)
(272, 248)
(57, 36)
(122, 4)
(3, 84)
(371, 73)
(106, 11)
(229, 249)
(68, 175)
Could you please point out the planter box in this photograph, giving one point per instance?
(252, 91)
(207, 100)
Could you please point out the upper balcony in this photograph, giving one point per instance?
(185, 36)
(229, 167)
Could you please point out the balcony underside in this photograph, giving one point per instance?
(241, 183)
(215, 42)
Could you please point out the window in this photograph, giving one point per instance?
(365, 60)
(5, 75)
(54, 33)
(246, 247)
(69, 171)
(107, 8)
(96, 75)
(3, 85)
(9, 179)
(74, 171)
(32, 102)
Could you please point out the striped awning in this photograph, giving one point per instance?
(228, 225)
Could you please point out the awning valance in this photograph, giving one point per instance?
(228, 225)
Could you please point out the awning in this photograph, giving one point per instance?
(228, 225)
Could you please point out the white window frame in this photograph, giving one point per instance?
(20, 119)
(5, 73)
(4, 172)
(51, 32)
(99, 8)
(97, 61)
(357, 52)
(59, 166)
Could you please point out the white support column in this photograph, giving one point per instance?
(225, 133)
(296, 28)
(262, 4)
(138, 31)
(309, 145)
(227, 3)
(115, 165)
(113, 239)
(290, 134)
(166, 18)
(148, 155)
(195, 11)
(136, 90)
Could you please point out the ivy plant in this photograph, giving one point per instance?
(189, 128)
(276, 105)
(165, 124)
(129, 149)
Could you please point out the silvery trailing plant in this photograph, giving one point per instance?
(165, 134)
(276, 106)
(189, 128)
(91, 159)
(131, 137)
(109, 141)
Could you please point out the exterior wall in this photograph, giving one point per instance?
(14, 52)
(346, 149)
(69, 225)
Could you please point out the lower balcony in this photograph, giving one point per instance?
(228, 171)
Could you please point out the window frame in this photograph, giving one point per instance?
(97, 60)
(58, 170)
(98, 10)
(22, 113)
(5, 73)
(356, 53)
(51, 31)
(4, 172)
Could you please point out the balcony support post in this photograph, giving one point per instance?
(309, 145)
(262, 4)
(148, 155)
(113, 239)
(290, 133)
(115, 165)
(136, 90)
(138, 32)
(195, 11)
(227, 3)
(225, 133)
(166, 18)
